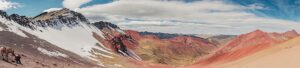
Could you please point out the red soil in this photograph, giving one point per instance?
(178, 50)
(246, 44)
(173, 48)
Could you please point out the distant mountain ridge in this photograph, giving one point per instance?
(164, 35)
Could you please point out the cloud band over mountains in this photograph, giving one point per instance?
(207, 16)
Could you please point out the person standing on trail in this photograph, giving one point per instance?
(18, 59)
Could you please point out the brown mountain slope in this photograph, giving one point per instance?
(285, 55)
(244, 45)
(177, 51)
(38, 53)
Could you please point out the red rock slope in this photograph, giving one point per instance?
(246, 44)
(178, 51)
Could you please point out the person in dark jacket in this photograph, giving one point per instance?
(18, 59)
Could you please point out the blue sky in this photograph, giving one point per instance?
(282, 9)
(35, 7)
(180, 16)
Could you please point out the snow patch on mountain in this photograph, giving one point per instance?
(11, 26)
(1, 29)
(77, 39)
(66, 29)
(52, 53)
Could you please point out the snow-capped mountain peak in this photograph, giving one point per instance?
(64, 28)
(63, 13)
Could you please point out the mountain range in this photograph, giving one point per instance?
(66, 39)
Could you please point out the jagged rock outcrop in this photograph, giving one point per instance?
(102, 25)
(3, 13)
(60, 18)
(63, 14)
(22, 20)
(54, 19)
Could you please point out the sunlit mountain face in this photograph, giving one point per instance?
(281, 9)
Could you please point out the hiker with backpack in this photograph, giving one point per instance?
(18, 59)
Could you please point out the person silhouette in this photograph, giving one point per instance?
(18, 59)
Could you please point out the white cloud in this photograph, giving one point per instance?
(208, 16)
(6, 4)
(257, 6)
(52, 9)
(73, 4)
